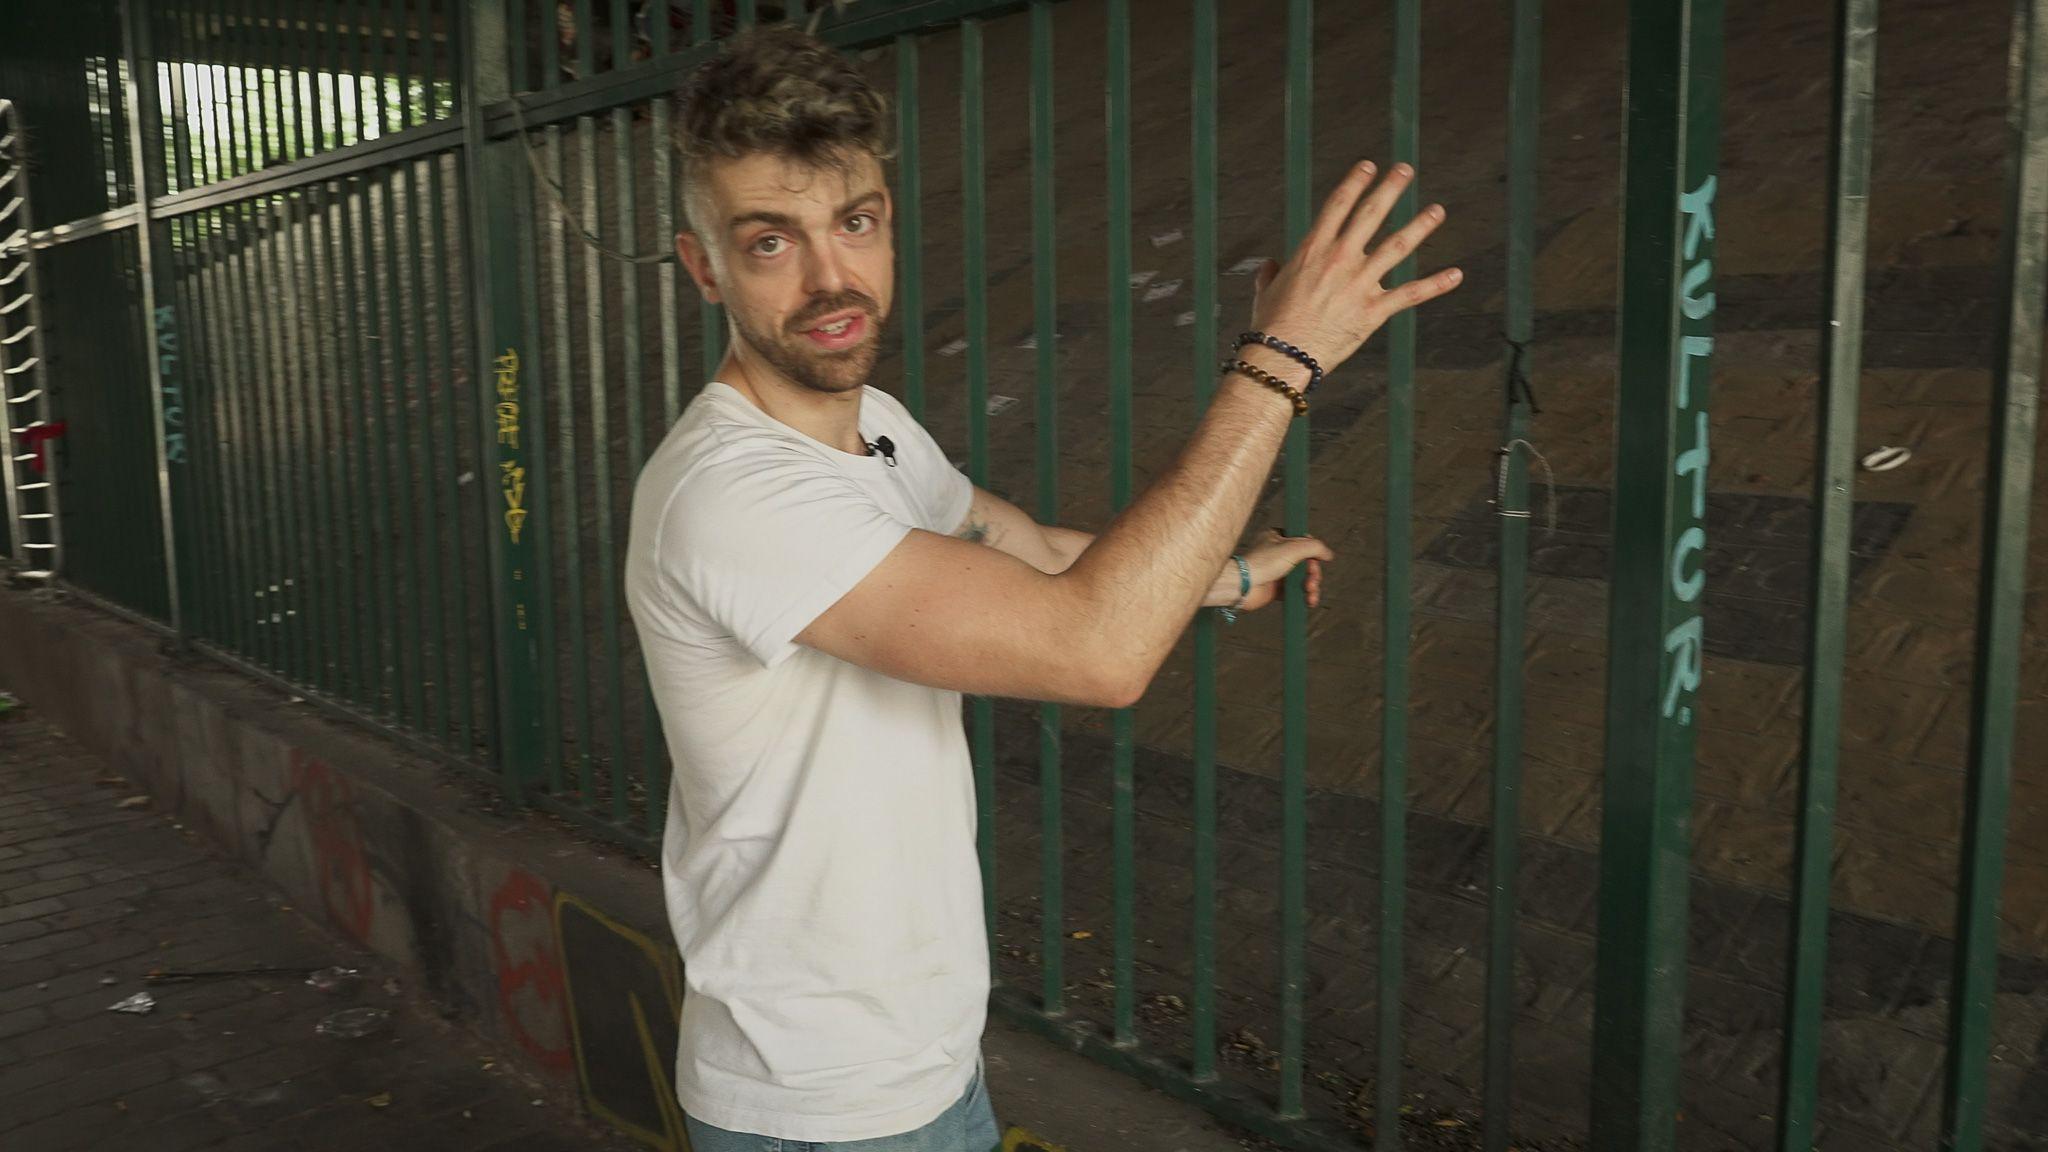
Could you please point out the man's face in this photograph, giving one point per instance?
(802, 259)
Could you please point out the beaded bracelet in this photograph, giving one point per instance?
(1271, 381)
(1315, 370)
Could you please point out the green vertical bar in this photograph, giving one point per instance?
(1202, 1012)
(1510, 644)
(412, 70)
(636, 432)
(225, 371)
(398, 449)
(369, 631)
(532, 437)
(213, 82)
(159, 315)
(206, 432)
(2001, 587)
(303, 577)
(586, 737)
(380, 79)
(305, 83)
(586, 44)
(700, 21)
(330, 56)
(252, 443)
(290, 419)
(974, 223)
(1834, 509)
(654, 760)
(181, 121)
(388, 417)
(1654, 629)
(910, 224)
(257, 84)
(432, 615)
(255, 444)
(665, 274)
(220, 122)
(746, 12)
(570, 518)
(369, 94)
(322, 566)
(502, 353)
(386, 556)
(225, 368)
(1406, 110)
(550, 52)
(202, 553)
(287, 580)
(283, 104)
(1045, 319)
(333, 562)
(622, 36)
(1294, 619)
(596, 336)
(199, 83)
(1123, 831)
(241, 111)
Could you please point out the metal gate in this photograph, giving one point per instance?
(398, 283)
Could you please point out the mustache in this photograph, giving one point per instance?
(838, 302)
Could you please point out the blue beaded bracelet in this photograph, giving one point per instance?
(1244, 589)
(1315, 370)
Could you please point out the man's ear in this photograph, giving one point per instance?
(690, 250)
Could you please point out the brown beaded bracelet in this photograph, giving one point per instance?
(1271, 381)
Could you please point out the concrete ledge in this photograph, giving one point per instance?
(534, 935)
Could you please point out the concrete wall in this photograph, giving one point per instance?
(521, 928)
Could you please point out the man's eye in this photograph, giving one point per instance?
(768, 245)
(860, 223)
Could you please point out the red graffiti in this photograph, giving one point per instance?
(343, 867)
(531, 992)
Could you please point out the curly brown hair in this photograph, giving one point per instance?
(778, 89)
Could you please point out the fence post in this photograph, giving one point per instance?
(501, 358)
(159, 317)
(1654, 628)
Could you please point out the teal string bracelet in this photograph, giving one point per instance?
(1244, 589)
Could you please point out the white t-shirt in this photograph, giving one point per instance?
(819, 861)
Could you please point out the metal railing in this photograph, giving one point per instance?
(28, 463)
(414, 331)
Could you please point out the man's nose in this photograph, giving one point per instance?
(824, 274)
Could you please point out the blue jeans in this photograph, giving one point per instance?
(968, 1126)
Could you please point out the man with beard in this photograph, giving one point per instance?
(815, 586)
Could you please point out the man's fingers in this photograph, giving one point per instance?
(1403, 244)
(1336, 209)
(1372, 211)
(1419, 291)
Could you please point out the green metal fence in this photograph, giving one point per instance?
(397, 296)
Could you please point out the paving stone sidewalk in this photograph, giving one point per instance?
(97, 891)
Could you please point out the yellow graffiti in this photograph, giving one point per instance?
(673, 1137)
(1017, 1139)
(508, 373)
(508, 423)
(513, 481)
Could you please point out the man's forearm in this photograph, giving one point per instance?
(1157, 562)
